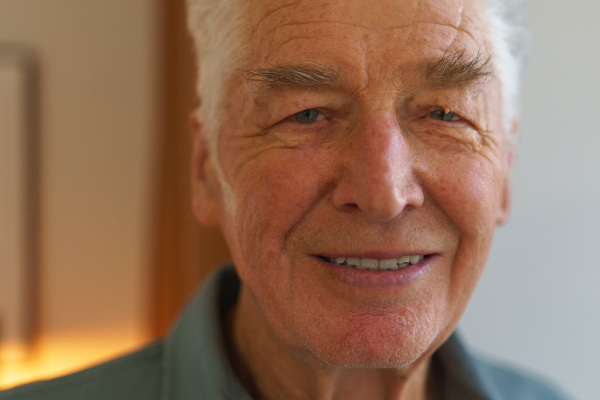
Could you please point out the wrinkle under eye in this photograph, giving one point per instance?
(308, 116)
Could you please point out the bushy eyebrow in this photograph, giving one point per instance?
(450, 70)
(457, 69)
(263, 80)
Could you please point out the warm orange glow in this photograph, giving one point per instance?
(61, 354)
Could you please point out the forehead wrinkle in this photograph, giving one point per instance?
(457, 26)
(457, 30)
(457, 22)
(294, 38)
(329, 22)
(269, 13)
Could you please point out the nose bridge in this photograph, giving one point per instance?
(377, 146)
(382, 153)
(379, 177)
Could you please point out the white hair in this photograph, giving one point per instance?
(510, 38)
(217, 27)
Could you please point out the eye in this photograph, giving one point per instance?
(444, 115)
(308, 116)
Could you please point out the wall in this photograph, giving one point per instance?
(538, 301)
(98, 70)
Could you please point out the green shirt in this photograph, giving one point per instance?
(191, 363)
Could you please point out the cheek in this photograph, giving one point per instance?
(468, 192)
(274, 191)
(467, 189)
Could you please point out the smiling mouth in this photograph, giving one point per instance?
(373, 264)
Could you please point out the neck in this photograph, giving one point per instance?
(270, 369)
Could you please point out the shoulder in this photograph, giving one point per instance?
(511, 383)
(135, 376)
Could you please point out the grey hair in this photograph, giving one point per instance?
(217, 27)
(510, 37)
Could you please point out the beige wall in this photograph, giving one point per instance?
(98, 66)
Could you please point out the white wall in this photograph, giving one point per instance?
(538, 303)
(98, 67)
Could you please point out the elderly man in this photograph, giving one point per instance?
(357, 156)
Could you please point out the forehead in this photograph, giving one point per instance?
(287, 31)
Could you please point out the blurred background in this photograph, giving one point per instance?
(110, 249)
(117, 252)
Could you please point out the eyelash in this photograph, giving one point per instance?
(454, 117)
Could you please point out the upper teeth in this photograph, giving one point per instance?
(373, 264)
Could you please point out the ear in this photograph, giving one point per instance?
(504, 207)
(509, 160)
(205, 186)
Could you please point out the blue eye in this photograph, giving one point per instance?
(308, 116)
(443, 115)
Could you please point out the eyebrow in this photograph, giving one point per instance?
(450, 70)
(263, 80)
(457, 69)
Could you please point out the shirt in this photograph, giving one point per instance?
(191, 364)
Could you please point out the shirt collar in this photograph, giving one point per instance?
(196, 364)
(462, 376)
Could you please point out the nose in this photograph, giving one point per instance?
(377, 176)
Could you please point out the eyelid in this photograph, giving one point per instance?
(469, 110)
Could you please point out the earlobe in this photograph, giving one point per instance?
(509, 159)
(504, 207)
(203, 180)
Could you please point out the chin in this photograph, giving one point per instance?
(384, 355)
(372, 346)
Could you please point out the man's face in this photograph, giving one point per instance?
(344, 141)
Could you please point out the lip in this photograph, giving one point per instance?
(378, 279)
